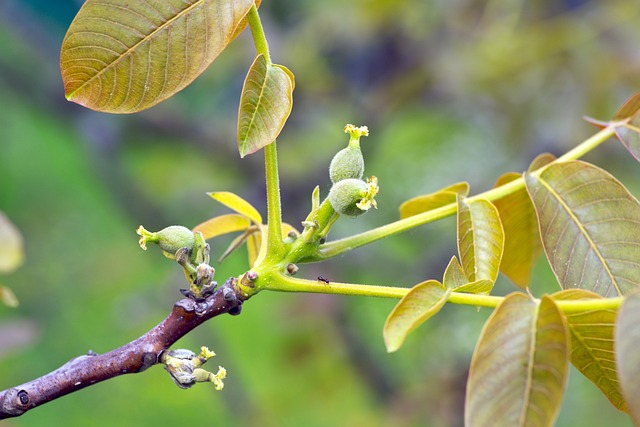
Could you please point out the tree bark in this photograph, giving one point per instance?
(134, 357)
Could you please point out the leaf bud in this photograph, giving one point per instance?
(353, 197)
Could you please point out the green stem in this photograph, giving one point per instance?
(275, 245)
(338, 247)
(259, 39)
(278, 282)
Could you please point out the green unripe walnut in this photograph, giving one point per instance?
(353, 197)
(170, 239)
(348, 163)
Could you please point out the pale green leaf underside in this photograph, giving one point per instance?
(480, 239)
(589, 227)
(627, 336)
(522, 245)
(418, 305)
(428, 202)
(592, 347)
(122, 56)
(238, 204)
(265, 105)
(519, 368)
(223, 224)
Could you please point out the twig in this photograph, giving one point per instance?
(134, 357)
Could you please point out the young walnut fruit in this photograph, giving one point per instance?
(348, 163)
(353, 197)
(170, 239)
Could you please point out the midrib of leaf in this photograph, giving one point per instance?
(583, 231)
(132, 48)
(260, 96)
(532, 353)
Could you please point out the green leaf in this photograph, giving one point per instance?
(11, 246)
(417, 306)
(238, 204)
(627, 336)
(223, 224)
(519, 367)
(122, 56)
(522, 245)
(540, 161)
(589, 227)
(454, 275)
(428, 202)
(480, 239)
(482, 286)
(592, 349)
(455, 279)
(265, 105)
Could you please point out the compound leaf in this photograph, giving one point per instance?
(522, 245)
(589, 227)
(592, 349)
(238, 204)
(418, 305)
(480, 239)
(265, 105)
(428, 202)
(519, 367)
(121, 56)
(223, 224)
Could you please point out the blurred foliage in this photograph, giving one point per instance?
(451, 91)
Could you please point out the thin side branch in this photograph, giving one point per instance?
(134, 357)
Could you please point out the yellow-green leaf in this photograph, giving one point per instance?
(11, 246)
(265, 105)
(540, 161)
(223, 224)
(522, 245)
(627, 336)
(592, 349)
(255, 248)
(123, 56)
(589, 227)
(455, 279)
(428, 202)
(519, 367)
(418, 305)
(482, 286)
(454, 275)
(238, 204)
(480, 239)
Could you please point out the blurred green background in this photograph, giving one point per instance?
(451, 91)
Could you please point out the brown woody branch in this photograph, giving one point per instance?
(136, 356)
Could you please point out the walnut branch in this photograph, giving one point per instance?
(136, 356)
